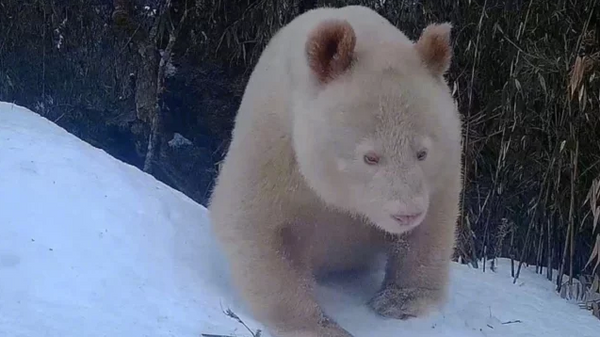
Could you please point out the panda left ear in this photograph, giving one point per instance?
(435, 49)
(330, 49)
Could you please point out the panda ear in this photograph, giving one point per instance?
(435, 49)
(330, 49)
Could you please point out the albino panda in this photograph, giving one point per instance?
(347, 144)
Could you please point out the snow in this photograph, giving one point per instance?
(178, 141)
(90, 246)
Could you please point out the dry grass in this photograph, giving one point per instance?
(230, 313)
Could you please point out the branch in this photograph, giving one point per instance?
(156, 126)
(166, 56)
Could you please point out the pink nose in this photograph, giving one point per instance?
(406, 219)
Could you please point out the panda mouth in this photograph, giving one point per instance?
(408, 219)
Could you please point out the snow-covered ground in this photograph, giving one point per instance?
(90, 246)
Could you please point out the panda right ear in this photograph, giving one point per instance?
(434, 47)
(330, 49)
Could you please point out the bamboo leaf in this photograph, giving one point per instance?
(594, 253)
(562, 145)
(596, 217)
(543, 83)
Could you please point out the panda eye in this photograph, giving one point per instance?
(422, 155)
(371, 158)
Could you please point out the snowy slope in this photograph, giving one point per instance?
(90, 246)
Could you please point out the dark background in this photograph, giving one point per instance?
(156, 83)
